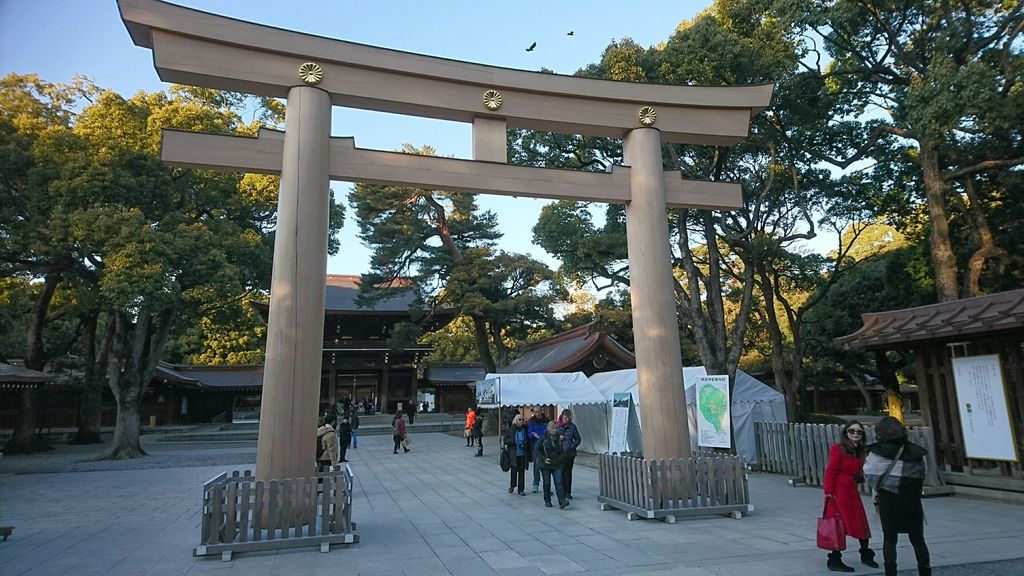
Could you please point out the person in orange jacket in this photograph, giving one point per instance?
(470, 419)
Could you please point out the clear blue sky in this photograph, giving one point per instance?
(59, 38)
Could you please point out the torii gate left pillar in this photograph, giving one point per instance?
(295, 324)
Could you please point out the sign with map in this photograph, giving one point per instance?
(714, 425)
(981, 398)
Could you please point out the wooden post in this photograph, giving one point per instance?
(291, 377)
(659, 370)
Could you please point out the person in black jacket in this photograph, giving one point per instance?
(344, 431)
(549, 458)
(517, 442)
(354, 422)
(895, 469)
(478, 433)
(570, 442)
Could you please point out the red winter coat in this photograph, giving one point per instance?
(840, 482)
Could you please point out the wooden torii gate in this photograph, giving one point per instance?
(313, 73)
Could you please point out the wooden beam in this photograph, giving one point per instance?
(351, 164)
(203, 49)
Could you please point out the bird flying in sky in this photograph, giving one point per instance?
(532, 46)
(569, 33)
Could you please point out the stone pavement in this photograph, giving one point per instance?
(439, 510)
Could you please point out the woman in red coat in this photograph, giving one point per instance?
(844, 471)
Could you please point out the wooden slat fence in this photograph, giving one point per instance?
(801, 450)
(241, 514)
(702, 485)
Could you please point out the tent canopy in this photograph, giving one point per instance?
(559, 389)
(751, 401)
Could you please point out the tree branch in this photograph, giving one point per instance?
(982, 167)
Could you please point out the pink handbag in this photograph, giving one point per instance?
(831, 533)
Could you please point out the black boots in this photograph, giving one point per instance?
(835, 562)
(867, 557)
(890, 569)
(924, 571)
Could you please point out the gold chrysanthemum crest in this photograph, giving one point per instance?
(647, 115)
(311, 73)
(492, 100)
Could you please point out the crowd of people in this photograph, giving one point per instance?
(549, 446)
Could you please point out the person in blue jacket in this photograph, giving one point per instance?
(570, 442)
(536, 428)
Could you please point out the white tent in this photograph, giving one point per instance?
(752, 401)
(557, 389)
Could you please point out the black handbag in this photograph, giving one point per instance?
(505, 460)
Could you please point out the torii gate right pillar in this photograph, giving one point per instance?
(659, 370)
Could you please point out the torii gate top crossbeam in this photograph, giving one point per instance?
(203, 49)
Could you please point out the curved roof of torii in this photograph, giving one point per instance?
(202, 49)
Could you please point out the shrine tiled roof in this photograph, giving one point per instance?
(454, 374)
(16, 377)
(994, 313)
(212, 377)
(566, 351)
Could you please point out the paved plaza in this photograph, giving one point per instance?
(439, 510)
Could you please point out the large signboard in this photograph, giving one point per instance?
(981, 399)
(488, 393)
(621, 402)
(714, 423)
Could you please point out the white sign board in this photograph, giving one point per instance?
(488, 393)
(981, 400)
(714, 422)
(620, 422)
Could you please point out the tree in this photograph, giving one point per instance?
(932, 91)
(423, 235)
(35, 120)
(147, 243)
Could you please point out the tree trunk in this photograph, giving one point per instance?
(126, 444)
(482, 346)
(780, 368)
(24, 439)
(499, 346)
(887, 374)
(944, 266)
(148, 337)
(987, 248)
(91, 407)
(862, 387)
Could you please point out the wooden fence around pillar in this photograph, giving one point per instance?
(801, 451)
(241, 514)
(697, 486)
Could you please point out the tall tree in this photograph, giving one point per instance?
(422, 235)
(146, 243)
(931, 85)
(35, 119)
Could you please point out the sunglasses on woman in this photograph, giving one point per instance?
(856, 431)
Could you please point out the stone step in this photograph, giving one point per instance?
(250, 434)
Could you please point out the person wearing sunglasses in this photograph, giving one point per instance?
(845, 470)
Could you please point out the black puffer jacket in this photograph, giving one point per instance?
(550, 450)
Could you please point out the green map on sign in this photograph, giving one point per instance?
(713, 406)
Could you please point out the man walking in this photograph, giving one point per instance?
(536, 428)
